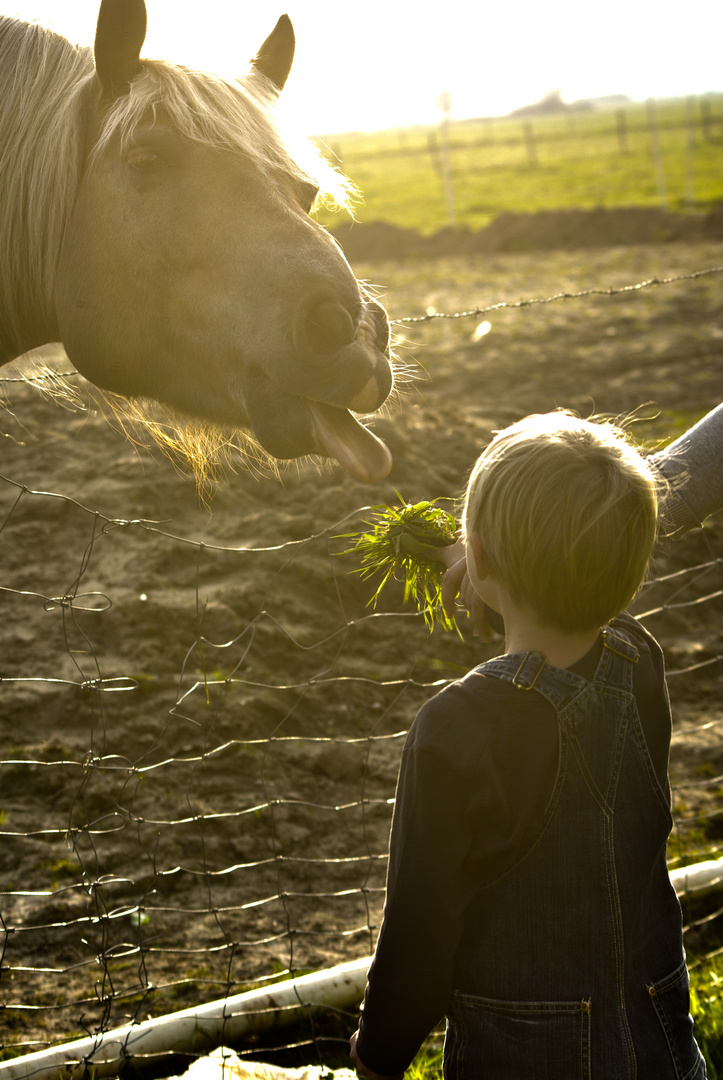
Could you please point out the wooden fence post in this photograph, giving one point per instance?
(690, 152)
(529, 135)
(657, 153)
(444, 104)
(622, 128)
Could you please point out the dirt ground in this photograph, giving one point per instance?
(201, 718)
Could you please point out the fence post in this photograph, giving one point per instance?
(689, 152)
(657, 153)
(530, 144)
(622, 129)
(444, 103)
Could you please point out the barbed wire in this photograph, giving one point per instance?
(579, 295)
(46, 374)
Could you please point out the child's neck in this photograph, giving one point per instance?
(524, 633)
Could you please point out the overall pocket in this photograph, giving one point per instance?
(670, 998)
(517, 1040)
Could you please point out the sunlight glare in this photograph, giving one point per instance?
(482, 330)
(382, 66)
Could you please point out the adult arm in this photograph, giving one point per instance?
(692, 466)
(361, 1066)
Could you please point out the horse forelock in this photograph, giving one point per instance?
(234, 115)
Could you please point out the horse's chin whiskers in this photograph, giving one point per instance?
(209, 452)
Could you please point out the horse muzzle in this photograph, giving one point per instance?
(341, 366)
(341, 353)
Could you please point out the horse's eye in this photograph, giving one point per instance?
(143, 159)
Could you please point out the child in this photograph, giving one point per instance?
(528, 897)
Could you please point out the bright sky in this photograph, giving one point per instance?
(384, 63)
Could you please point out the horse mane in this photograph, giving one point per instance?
(42, 80)
(47, 91)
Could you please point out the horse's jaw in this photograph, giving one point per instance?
(338, 433)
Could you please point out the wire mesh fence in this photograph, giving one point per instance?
(202, 718)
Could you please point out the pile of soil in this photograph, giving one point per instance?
(543, 231)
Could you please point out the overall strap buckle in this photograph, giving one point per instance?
(529, 671)
(618, 645)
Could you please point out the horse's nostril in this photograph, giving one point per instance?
(323, 330)
(334, 322)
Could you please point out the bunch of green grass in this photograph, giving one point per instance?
(400, 546)
(428, 1063)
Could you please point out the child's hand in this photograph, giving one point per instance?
(456, 583)
(408, 543)
(449, 555)
(361, 1067)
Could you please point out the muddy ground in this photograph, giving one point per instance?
(201, 718)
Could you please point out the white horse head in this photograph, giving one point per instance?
(158, 226)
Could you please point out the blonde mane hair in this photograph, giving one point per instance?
(42, 90)
(47, 92)
(566, 509)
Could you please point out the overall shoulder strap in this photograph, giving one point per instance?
(617, 660)
(531, 671)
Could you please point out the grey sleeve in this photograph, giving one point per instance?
(693, 464)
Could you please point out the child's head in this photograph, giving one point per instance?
(566, 511)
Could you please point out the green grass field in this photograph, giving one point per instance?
(576, 159)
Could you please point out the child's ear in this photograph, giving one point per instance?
(482, 561)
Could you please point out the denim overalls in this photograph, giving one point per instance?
(577, 968)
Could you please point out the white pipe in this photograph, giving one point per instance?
(198, 1029)
(203, 1027)
(698, 877)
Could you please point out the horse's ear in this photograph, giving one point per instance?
(276, 55)
(119, 35)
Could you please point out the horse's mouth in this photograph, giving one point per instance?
(341, 436)
(290, 424)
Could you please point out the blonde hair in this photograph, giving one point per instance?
(566, 510)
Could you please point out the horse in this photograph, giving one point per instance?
(156, 223)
